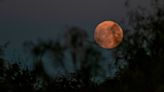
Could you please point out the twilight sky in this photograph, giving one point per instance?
(22, 20)
(31, 19)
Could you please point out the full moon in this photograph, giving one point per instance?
(108, 34)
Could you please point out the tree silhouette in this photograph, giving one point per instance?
(82, 52)
(139, 60)
(143, 51)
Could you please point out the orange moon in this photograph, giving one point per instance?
(108, 34)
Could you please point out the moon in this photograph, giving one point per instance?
(108, 34)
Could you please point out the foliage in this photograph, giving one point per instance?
(141, 51)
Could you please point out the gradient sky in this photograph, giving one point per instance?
(30, 19)
(22, 20)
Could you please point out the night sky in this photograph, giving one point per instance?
(25, 20)
(59, 46)
(32, 19)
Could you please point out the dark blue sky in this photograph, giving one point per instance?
(22, 20)
(29, 19)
